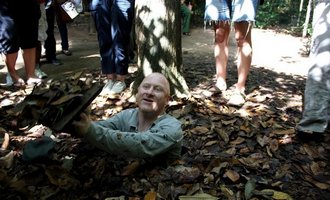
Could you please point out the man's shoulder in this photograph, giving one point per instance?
(170, 118)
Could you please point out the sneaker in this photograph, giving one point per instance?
(66, 52)
(221, 84)
(39, 73)
(33, 81)
(107, 87)
(237, 99)
(9, 80)
(118, 87)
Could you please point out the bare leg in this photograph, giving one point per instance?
(221, 51)
(121, 77)
(29, 57)
(244, 52)
(10, 60)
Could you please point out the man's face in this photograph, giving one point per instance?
(153, 94)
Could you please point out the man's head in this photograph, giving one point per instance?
(153, 94)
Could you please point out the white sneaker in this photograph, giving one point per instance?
(221, 84)
(39, 73)
(34, 81)
(107, 87)
(118, 87)
(9, 80)
(237, 99)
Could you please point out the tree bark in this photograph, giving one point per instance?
(308, 15)
(159, 49)
(300, 11)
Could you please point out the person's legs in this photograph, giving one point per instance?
(62, 27)
(317, 90)
(244, 52)
(122, 14)
(243, 16)
(221, 37)
(29, 56)
(186, 12)
(10, 60)
(50, 42)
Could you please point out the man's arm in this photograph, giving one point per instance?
(160, 138)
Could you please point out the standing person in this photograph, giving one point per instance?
(42, 35)
(19, 30)
(62, 28)
(143, 132)
(186, 11)
(50, 43)
(113, 20)
(315, 118)
(242, 13)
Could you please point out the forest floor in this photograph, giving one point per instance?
(230, 153)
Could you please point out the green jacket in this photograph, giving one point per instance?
(118, 135)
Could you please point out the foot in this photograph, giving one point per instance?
(237, 99)
(118, 87)
(186, 33)
(66, 52)
(33, 81)
(221, 84)
(19, 82)
(54, 62)
(39, 73)
(107, 87)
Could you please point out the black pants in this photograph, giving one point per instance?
(50, 42)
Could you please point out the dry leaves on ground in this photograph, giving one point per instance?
(228, 153)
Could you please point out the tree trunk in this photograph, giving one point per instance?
(308, 14)
(300, 11)
(158, 35)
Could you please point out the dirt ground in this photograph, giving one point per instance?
(275, 51)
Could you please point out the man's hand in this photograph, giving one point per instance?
(82, 125)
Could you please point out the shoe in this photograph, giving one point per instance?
(33, 81)
(187, 34)
(118, 87)
(54, 62)
(19, 83)
(107, 87)
(237, 99)
(66, 52)
(221, 84)
(9, 80)
(39, 73)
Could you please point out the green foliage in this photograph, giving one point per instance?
(280, 13)
(273, 13)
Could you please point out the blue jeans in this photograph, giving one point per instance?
(113, 21)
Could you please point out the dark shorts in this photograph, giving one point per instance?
(18, 25)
